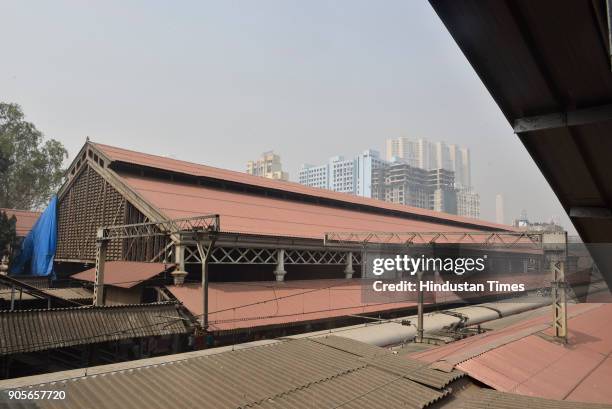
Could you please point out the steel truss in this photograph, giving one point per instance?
(506, 239)
(184, 226)
(199, 228)
(248, 255)
(222, 255)
(319, 257)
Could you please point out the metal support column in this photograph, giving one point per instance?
(419, 337)
(555, 248)
(204, 252)
(559, 300)
(101, 248)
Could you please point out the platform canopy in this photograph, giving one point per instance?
(547, 65)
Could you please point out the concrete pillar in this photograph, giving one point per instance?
(280, 272)
(348, 270)
(179, 256)
(179, 273)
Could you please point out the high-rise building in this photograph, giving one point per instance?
(499, 209)
(460, 164)
(444, 198)
(429, 155)
(401, 183)
(398, 182)
(424, 154)
(268, 166)
(342, 175)
(466, 168)
(353, 176)
(365, 165)
(468, 203)
(314, 176)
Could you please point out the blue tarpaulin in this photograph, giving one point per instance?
(38, 248)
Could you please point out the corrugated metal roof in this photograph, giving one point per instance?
(364, 388)
(70, 293)
(490, 399)
(261, 215)
(414, 370)
(294, 373)
(125, 274)
(478, 342)
(536, 366)
(256, 304)
(35, 330)
(25, 220)
(173, 165)
(38, 282)
(352, 346)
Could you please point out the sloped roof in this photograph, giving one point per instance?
(124, 274)
(257, 304)
(35, 330)
(119, 155)
(25, 220)
(490, 399)
(260, 215)
(292, 373)
(522, 358)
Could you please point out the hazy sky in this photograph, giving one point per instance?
(220, 82)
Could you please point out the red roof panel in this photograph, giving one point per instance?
(536, 366)
(174, 165)
(124, 274)
(253, 304)
(254, 214)
(25, 220)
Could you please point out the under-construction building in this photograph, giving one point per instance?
(401, 183)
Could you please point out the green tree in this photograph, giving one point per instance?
(31, 169)
(8, 235)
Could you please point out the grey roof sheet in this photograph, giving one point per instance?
(293, 373)
(352, 346)
(70, 293)
(415, 370)
(363, 388)
(36, 330)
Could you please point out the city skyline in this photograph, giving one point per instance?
(415, 172)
